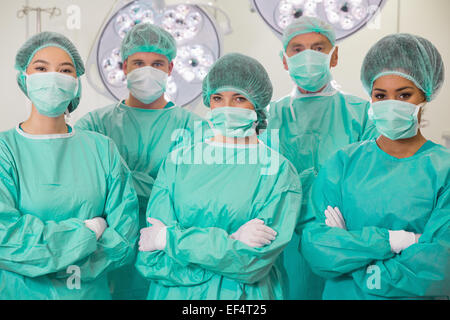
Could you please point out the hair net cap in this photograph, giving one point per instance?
(146, 37)
(406, 55)
(40, 41)
(306, 24)
(242, 74)
(43, 40)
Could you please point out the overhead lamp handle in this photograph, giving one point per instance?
(226, 29)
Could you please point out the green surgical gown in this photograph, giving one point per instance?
(320, 126)
(50, 184)
(144, 137)
(205, 193)
(377, 192)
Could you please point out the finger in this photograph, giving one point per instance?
(152, 220)
(267, 234)
(335, 217)
(338, 212)
(267, 229)
(261, 240)
(262, 237)
(257, 221)
(327, 213)
(331, 219)
(338, 217)
(328, 223)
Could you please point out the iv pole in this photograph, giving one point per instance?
(27, 9)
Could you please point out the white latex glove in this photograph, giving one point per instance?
(97, 224)
(334, 218)
(254, 234)
(401, 239)
(154, 237)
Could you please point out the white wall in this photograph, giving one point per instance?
(251, 36)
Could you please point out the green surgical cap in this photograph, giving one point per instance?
(146, 37)
(40, 41)
(239, 73)
(406, 55)
(306, 24)
(43, 40)
(244, 75)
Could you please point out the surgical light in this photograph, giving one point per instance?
(198, 40)
(346, 16)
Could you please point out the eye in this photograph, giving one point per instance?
(67, 71)
(320, 49)
(241, 99)
(379, 96)
(40, 69)
(138, 63)
(157, 65)
(405, 96)
(217, 98)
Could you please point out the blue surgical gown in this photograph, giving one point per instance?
(308, 134)
(50, 184)
(203, 194)
(377, 192)
(144, 137)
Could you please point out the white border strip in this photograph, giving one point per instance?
(45, 136)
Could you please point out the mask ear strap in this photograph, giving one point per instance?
(67, 113)
(423, 123)
(330, 55)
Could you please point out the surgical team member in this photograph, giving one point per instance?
(314, 121)
(383, 206)
(144, 126)
(222, 211)
(68, 210)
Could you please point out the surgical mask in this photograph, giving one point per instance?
(310, 69)
(147, 84)
(52, 92)
(395, 119)
(234, 121)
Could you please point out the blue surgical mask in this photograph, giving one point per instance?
(310, 69)
(147, 84)
(234, 121)
(395, 119)
(52, 92)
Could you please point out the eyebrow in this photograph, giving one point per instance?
(234, 95)
(41, 61)
(141, 60)
(320, 43)
(401, 89)
(66, 64)
(397, 90)
(60, 65)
